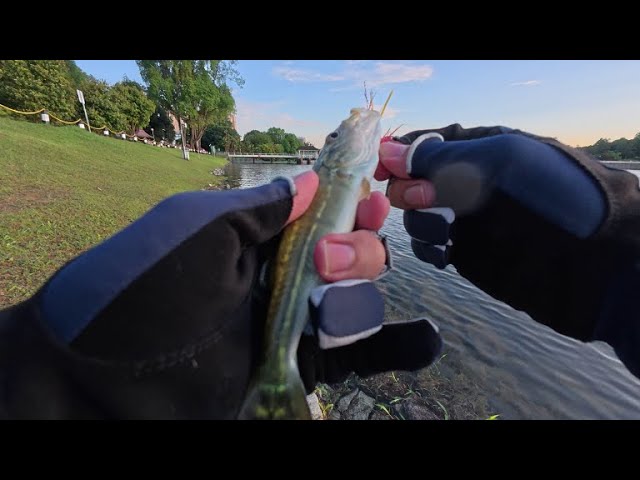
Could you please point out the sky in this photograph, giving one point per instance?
(576, 101)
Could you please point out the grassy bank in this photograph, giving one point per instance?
(63, 190)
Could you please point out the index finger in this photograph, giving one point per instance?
(393, 161)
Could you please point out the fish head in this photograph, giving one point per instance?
(354, 144)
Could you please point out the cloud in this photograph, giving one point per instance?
(356, 72)
(344, 88)
(301, 75)
(528, 83)
(386, 73)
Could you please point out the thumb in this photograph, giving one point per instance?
(306, 186)
(259, 214)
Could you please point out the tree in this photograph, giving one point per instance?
(611, 155)
(291, 143)
(133, 105)
(276, 135)
(255, 140)
(76, 74)
(216, 103)
(620, 149)
(232, 141)
(161, 124)
(623, 146)
(221, 135)
(189, 89)
(598, 148)
(101, 109)
(636, 146)
(34, 84)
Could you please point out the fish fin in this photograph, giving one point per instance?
(269, 400)
(365, 189)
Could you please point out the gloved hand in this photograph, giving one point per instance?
(534, 223)
(165, 319)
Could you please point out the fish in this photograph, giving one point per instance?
(345, 167)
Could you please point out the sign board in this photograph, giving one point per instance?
(80, 96)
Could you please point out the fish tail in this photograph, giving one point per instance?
(276, 400)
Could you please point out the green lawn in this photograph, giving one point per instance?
(63, 190)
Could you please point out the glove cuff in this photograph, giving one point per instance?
(416, 143)
(345, 312)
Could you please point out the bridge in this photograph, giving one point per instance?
(301, 158)
(625, 165)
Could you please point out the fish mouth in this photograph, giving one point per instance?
(363, 117)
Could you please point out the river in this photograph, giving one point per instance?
(525, 370)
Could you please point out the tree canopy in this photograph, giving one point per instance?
(222, 136)
(101, 109)
(274, 140)
(620, 149)
(124, 106)
(76, 74)
(133, 105)
(161, 124)
(30, 85)
(194, 91)
(34, 84)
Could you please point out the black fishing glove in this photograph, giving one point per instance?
(537, 224)
(166, 318)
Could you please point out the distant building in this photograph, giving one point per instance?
(308, 151)
(144, 135)
(174, 122)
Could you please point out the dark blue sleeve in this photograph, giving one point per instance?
(539, 225)
(87, 284)
(520, 167)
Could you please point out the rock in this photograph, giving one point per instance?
(343, 403)
(334, 415)
(360, 407)
(314, 407)
(412, 410)
(378, 415)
